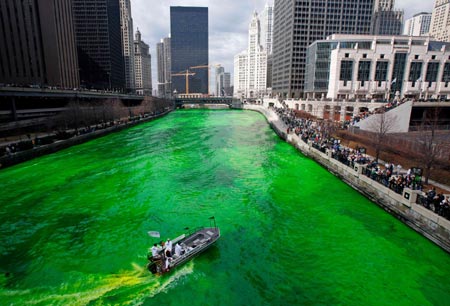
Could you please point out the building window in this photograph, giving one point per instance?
(346, 71)
(381, 71)
(416, 57)
(432, 72)
(398, 71)
(433, 57)
(347, 55)
(415, 72)
(364, 55)
(446, 73)
(381, 55)
(364, 70)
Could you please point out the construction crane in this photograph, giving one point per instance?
(205, 66)
(186, 74)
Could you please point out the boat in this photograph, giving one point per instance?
(192, 244)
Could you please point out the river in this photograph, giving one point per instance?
(73, 225)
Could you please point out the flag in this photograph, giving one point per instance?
(394, 81)
(154, 234)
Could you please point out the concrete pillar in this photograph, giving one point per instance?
(409, 196)
(13, 109)
(358, 169)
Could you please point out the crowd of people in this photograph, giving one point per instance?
(437, 202)
(27, 142)
(319, 134)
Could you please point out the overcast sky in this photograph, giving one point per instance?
(228, 24)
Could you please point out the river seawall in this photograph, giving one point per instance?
(22, 156)
(402, 206)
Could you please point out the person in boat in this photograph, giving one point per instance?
(178, 250)
(167, 264)
(168, 250)
(155, 250)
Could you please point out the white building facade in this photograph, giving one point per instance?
(440, 21)
(378, 68)
(250, 66)
(143, 68)
(126, 24)
(418, 25)
(266, 21)
(164, 68)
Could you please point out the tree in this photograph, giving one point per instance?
(430, 146)
(381, 126)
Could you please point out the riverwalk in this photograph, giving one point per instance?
(33, 149)
(403, 206)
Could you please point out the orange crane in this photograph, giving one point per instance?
(205, 66)
(186, 74)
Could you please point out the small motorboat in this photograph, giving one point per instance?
(189, 245)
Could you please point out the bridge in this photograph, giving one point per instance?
(231, 102)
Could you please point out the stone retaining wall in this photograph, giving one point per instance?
(404, 207)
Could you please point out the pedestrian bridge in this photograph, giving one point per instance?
(232, 103)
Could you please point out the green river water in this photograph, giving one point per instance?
(73, 225)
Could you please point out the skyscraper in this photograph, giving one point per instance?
(297, 24)
(255, 66)
(99, 43)
(189, 47)
(266, 21)
(37, 43)
(386, 19)
(440, 20)
(142, 66)
(164, 71)
(223, 82)
(418, 25)
(126, 24)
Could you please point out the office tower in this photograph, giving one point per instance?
(387, 20)
(223, 82)
(254, 84)
(189, 48)
(142, 66)
(164, 71)
(297, 24)
(126, 24)
(160, 68)
(266, 21)
(219, 85)
(440, 21)
(240, 73)
(99, 43)
(37, 44)
(418, 25)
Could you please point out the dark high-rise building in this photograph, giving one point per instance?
(189, 47)
(99, 43)
(37, 44)
(297, 24)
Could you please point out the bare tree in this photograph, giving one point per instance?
(380, 127)
(430, 146)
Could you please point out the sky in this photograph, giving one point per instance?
(228, 24)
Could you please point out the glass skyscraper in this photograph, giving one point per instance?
(189, 47)
(99, 43)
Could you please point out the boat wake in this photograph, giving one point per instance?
(126, 287)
